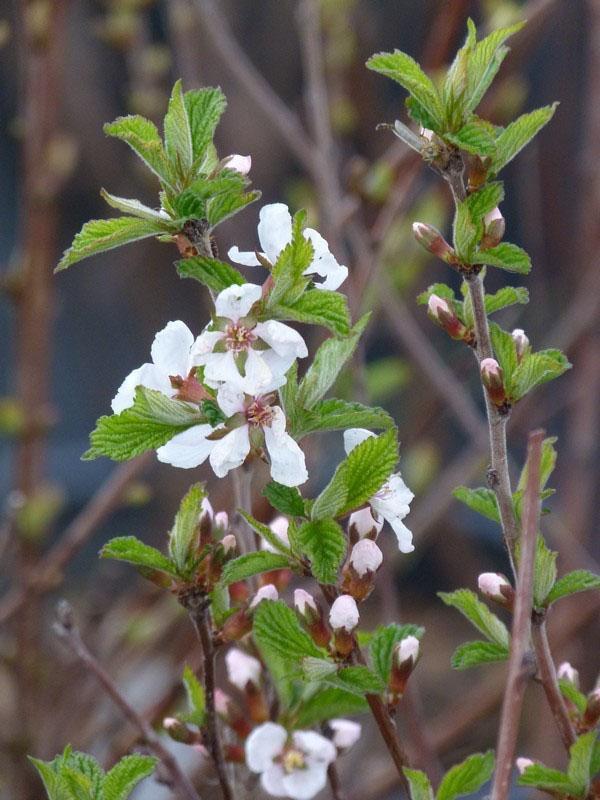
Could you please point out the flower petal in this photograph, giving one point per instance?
(171, 348)
(354, 436)
(148, 375)
(258, 378)
(246, 257)
(288, 465)
(324, 262)
(230, 451)
(221, 368)
(302, 784)
(263, 745)
(236, 301)
(272, 781)
(230, 399)
(285, 341)
(187, 449)
(241, 164)
(204, 344)
(274, 229)
(316, 747)
(392, 502)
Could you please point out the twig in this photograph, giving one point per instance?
(66, 629)
(521, 661)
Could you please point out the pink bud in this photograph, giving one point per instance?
(523, 763)
(521, 342)
(221, 520)
(407, 649)
(268, 592)
(229, 544)
(496, 587)
(440, 312)
(366, 557)
(304, 603)
(222, 701)
(242, 669)
(206, 508)
(344, 614)
(363, 524)
(241, 164)
(494, 226)
(568, 673)
(493, 380)
(433, 241)
(179, 731)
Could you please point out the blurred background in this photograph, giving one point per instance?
(303, 105)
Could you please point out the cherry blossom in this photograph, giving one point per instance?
(346, 733)
(242, 669)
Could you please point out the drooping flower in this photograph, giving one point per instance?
(392, 501)
(236, 349)
(290, 765)
(173, 356)
(275, 232)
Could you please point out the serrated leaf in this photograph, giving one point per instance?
(277, 630)
(133, 551)
(505, 352)
(547, 465)
(580, 762)
(327, 363)
(317, 669)
(183, 534)
(286, 499)
(327, 703)
(178, 134)
(122, 779)
(485, 60)
(317, 307)
(324, 543)
(507, 296)
(466, 232)
(253, 564)
(287, 274)
(472, 654)
(266, 533)
(518, 134)
(136, 209)
(225, 205)
(469, 605)
(474, 137)
(419, 784)
(485, 200)
(362, 473)
(467, 777)
(151, 422)
(334, 414)
(544, 574)
(546, 779)
(361, 679)
(196, 697)
(204, 110)
(535, 369)
(215, 274)
(383, 641)
(505, 256)
(573, 695)
(55, 786)
(481, 500)
(441, 289)
(144, 139)
(580, 580)
(100, 235)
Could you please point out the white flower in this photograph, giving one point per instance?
(408, 648)
(566, 672)
(304, 600)
(365, 523)
(172, 354)
(279, 526)
(345, 733)
(365, 557)
(235, 349)
(241, 164)
(267, 592)
(242, 668)
(344, 613)
(392, 501)
(289, 765)
(275, 232)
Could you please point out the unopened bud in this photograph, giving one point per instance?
(268, 592)
(363, 524)
(521, 342)
(439, 311)
(222, 702)
(493, 380)
(231, 714)
(205, 523)
(345, 732)
(523, 763)
(221, 521)
(343, 618)
(241, 164)
(404, 658)
(359, 571)
(568, 673)
(496, 587)
(494, 227)
(433, 241)
(242, 669)
(312, 616)
(592, 709)
(279, 526)
(305, 604)
(229, 544)
(179, 731)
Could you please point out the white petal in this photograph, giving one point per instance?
(316, 747)
(392, 502)
(403, 535)
(284, 340)
(230, 451)
(274, 229)
(258, 378)
(324, 262)
(344, 613)
(187, 449)
(236, 301)
(204, 344)
(302, 784)
(354, 436)
(245, 257)
(278, 367)
(272, 781)
(221, 368)
(263, 745)
(288, 466)
(364, 522)
(242, 668)
(346, 732)
(171, 348)
(230, 399)
(241, 164)
(148, 375)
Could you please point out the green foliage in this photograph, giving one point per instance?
(122, 779)
(178, 135)
(287, 274)
(286, 499)
(323, 541)
(580, 580)
(583, 765)
(505, 256)
(204, 110)
(472, 654)
(418, 784)
(474, 137)
(328, 702)
(215, 274)
(484, 62)
(469, 605)
(196, 698)
(467, 777)
(335, 414)
(518, 134)
(253, 564)
(383, 641)
(131, 550)
(481, 500)
(361, 679)
(149, 423)
(266, 533)
(467, 232)
(184, 533)
(544, 574)
(535, 369)
(278, 632)
(362, 473)
(317, 307)
(572, 694)
(144, 139)
(507, 296)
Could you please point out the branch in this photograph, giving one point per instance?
(66, 629)
(520, 662)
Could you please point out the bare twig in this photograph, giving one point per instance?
(67, 631)
(521, 661)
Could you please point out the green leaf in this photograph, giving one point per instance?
(504, 256)
(204, 110)
(122, 779)
(183, 534)
(547, 465)
(317, 669)
(441, 289)
(288, 276)
(178, 135)
(362, 679)
(546, 779)
(327, 363)
(324, 543)
(253, 564)
(286, 499)
(130, 549)
(580, 762)
(215, 274)
(100, 235)
(266, 533)
(544, 574)
(573, 695)
(143, 138)
(403, 69)
(151, 422)
(580, 580)
(485, 200)
(535, 369)
(362, 473)
(505, 351)
(507, 296)
(466, 232)
(484, 63)
(277, 630)
(474, 137)
(381, 647)
(317, 307)
(481, 500)
(54, 784)
(419, 784)
(467, 777)
(469, 605)
(518, 134)
(135, 208)
(223, 206)
(472, 654)
(327, 703)
(196, 697)
(334, 414)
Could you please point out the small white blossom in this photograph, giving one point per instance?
(523, 763)
(229, 543)
(407, 649)
(365, 522)
(344, 613)
(242, 668)
(304, 600)
(279, 526)
(366, 557)
(275, 232)
(491, 583)
(521, 341)
(392, 501)
(292, 765)
(241, 164)
(566, 672)
(268, 592)
(346, 733)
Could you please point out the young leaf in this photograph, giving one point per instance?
(334, 414)
(151, 422)
(485, 200)
(215, 274)
(467, 602)
(122, 779)
(381, 646)
(578, 581)
(277, 630)
(288, 276)
(361, 679)
(474, 137)
(327, 703)
(286, 499)
(204, 110)
(136, 209)
(130, 549)
(100, 235)
(507, 296)
(544, 574)
(183, 533)
(466, 232)
(178, 135)
(573, 695)
(323, 541)
(505, 351)
(317, 669)
(196, 697)
(143, 138)
(317, 307)
(518, 134)
(225, 205)
(266, 533)
(472, 654)
(504, 256)
(358, 477)
(485, 61)
(468, 777)
(419, 784)
(580, 762)
(535, 369)
(481, 500)
(253, 564)
(551, 780)
(54, 784)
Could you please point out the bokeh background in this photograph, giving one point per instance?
(68, 66)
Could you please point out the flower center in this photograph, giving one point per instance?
(259, 412)
(238, 337)
(293, 760)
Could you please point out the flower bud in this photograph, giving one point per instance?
(345, 733)
(359, 571)
(279, 526)
(179, 731)
(494, 227)
(493, 380)
(305, 604)
(229, 544)
(312, 616)
(592, 709)
(205, 523)
(433, 241)
(221, 521)
(566, 672)
(496, 587)
(522, 764)
(231, 714)
(404, 659)
(440, 312)
(242, 669)
(268, 592)
(241, 164)
(343, 618)
(363, 524)
(521, 342)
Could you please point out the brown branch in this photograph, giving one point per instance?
(66, 629)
